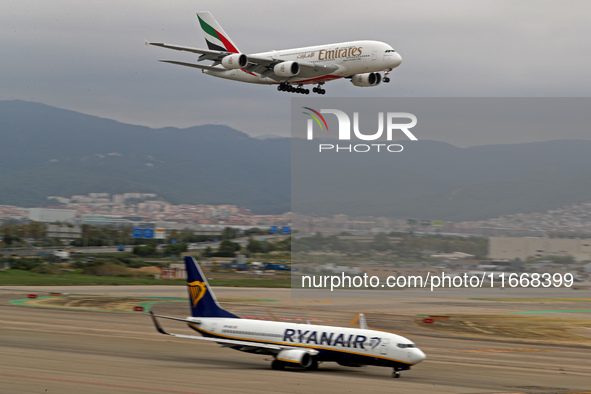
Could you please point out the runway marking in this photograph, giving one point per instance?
(504, 350)
(146, 304)
(552, 391)
(558, 311)
(96, 383)
(541, 299)
(548, 390)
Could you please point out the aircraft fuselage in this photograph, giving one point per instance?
(339, 344)
(353, 57)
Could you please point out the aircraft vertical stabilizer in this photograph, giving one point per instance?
(215, 37)
(203, 302)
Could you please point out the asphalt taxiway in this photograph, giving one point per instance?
(50, 350)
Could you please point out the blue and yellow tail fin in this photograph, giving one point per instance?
(203, 302)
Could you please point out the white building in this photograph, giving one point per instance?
(48, 215)
(513, 247)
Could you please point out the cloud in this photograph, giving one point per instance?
(89, 56)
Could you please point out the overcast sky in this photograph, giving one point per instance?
(89, 56)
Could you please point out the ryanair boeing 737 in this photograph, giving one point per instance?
(360, 61)
(291, 344)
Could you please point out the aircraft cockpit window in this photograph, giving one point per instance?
(390, 50)
(405, 345)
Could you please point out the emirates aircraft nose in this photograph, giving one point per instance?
(396, 59)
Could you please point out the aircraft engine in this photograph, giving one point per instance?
(302, 357)
(233, 62)
(287, 69)
(367, 79)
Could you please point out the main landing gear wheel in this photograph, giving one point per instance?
(313, 365)
(319, 90)
(277, 365)
(285, 87)
(300, 89)
(395, 375)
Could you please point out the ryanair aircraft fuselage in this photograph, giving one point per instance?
(349, 346)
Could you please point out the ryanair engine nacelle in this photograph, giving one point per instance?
(303, 358)
(367, 79)
(234, 62)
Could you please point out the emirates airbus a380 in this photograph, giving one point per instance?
(360, 61)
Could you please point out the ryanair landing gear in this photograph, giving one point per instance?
(396, 371)
(277, 365)
(313, 365)
(318, 89)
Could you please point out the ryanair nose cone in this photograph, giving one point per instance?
(416, 355)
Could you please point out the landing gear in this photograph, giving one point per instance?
(313, 365)
(386, 79)
(285, 87)
(301, 89)
(277, 365)
(396, 371)
(318, 89)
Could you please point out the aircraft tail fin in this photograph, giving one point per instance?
(215, 37)
(203, 302)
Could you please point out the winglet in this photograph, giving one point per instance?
(157, 324)
(362, 322)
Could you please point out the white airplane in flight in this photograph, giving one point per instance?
(291, 344)
(291, 69)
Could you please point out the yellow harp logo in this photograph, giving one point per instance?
(197, 291)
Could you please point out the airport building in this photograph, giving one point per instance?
(49, 215)
(511, 248)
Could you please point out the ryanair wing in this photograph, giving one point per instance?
(262, 65)
(222, 341)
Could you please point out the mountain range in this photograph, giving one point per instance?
(49, 151)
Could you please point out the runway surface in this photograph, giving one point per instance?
(48, 350)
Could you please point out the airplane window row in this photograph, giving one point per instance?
(263, 334)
